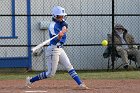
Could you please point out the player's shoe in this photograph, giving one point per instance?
(83, 86)
(28, 83)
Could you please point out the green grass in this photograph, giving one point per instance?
(112, 75)
(62, 75)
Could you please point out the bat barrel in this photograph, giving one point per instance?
(42, 44)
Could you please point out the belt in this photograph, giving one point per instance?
(56, 46)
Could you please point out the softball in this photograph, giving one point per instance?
(104, 43)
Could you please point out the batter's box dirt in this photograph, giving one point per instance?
(69, 86)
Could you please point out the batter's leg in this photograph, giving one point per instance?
(64, 60)
(43, 75)
(52, 66)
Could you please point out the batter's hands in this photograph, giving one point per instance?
(61, 33)
(64, 29)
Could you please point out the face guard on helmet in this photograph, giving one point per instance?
(58, 11)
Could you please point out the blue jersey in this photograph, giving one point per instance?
(54, 28)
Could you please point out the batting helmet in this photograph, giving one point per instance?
(58, 11)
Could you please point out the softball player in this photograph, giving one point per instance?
(54, 52)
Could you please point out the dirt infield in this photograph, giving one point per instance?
(69, 86)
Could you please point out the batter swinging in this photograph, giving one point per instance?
(55, 52)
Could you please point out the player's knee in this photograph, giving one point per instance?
(69, 67)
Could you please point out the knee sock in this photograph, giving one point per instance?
(75, 76)
(39, 77)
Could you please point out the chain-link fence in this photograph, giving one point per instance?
(89, 23)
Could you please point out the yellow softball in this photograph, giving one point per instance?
(104, 43)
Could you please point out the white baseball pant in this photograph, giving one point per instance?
(55, 55)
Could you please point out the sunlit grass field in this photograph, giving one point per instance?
(63, 75)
